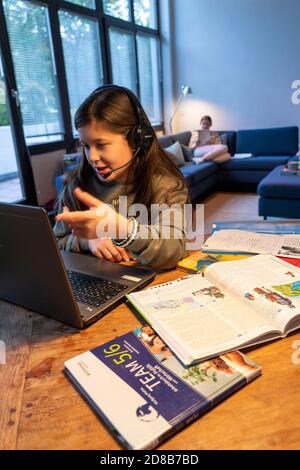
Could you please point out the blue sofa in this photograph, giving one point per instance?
(271, 148)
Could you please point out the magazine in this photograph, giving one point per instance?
(234, 305)
(144, 394)
(287, 245)
(199, 261)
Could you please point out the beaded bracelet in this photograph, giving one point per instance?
(131, 236)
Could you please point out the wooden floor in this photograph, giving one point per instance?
(227, 206)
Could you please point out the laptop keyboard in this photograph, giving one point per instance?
(93, 290)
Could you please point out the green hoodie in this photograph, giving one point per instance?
(149, 247)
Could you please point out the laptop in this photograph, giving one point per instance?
(73, 288)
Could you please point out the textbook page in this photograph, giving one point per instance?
(197, 319)
(263, 282)
(287, 245)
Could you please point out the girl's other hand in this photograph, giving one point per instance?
(104, 248)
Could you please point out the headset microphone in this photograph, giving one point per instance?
(107, 175)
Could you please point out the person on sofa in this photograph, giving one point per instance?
(121, 157)
(207, 145)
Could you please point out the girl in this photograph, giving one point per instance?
(121, 157)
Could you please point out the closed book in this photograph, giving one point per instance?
(241, 156)
(144, 394)
(199, 261)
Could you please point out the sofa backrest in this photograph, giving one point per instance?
(276, 141)
(183, 137)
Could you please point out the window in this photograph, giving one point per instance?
(145, 13)
(122, 58)
(32, 52)
(118, 9)
(149, 76)
(82, 57)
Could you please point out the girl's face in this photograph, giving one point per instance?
(205, 124)
(105, 151)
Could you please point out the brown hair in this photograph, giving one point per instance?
(114, 108)
(206, 118)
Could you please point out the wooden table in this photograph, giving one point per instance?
(40, 409)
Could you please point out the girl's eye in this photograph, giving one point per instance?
(100, 146)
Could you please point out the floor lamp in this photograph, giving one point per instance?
(185, 90)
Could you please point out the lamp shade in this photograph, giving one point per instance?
(186, 90)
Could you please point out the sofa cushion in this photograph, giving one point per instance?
(276, 141)
(277, 186)
(254, 163)
(176, 154)
(195, 173)
(187, 153)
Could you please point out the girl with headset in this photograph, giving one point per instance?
(121, 157)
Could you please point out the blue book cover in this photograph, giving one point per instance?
(144, 394)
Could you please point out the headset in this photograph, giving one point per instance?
(141, 135)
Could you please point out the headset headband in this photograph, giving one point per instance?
(142, 135)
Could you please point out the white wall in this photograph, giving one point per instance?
(240, 57)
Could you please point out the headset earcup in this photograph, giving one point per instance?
(142, 136)
(133, 137)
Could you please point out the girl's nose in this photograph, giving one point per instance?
(94, 157)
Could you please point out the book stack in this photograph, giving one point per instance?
(187, 361)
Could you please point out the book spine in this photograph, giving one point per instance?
(138, 309)
(179, 425)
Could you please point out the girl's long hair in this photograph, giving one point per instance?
(113, 108)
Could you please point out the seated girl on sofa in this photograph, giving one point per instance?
(207, 145)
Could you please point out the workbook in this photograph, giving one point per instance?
(143, 393)
(234, 305)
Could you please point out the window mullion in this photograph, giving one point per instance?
(61, 76)
(104, 43)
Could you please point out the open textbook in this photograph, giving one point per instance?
(144, 394)
(287, 245)
(236, 304)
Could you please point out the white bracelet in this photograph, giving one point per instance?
(131, 236)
